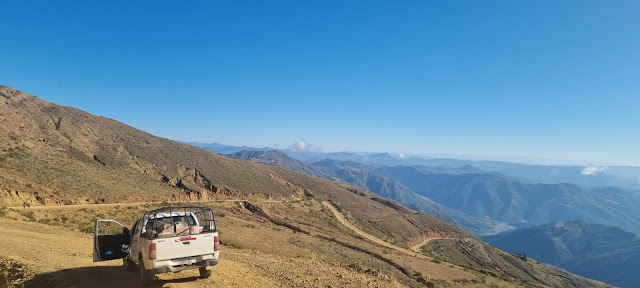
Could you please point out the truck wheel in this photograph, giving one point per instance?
(128, 264)
(146, 276)
(204, 273)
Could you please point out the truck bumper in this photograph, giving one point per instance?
(201, 264)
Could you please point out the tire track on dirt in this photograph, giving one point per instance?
(368, 236)
(63, 258)
(416, 248)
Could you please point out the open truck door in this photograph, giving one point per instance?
(111, 240)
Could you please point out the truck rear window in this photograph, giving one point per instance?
(178, 221)
(169, 220)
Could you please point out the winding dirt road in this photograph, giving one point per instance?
(367, 236)
(416, 248)
(75, 206)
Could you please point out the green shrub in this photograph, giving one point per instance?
(45, 221)
(86, 228)
(29, 215)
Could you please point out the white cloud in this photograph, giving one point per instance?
(301, 146)
(402, 156)
(590, 170)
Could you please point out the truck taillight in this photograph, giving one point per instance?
(152, 251)
(216, 243)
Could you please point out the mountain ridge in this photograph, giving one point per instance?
(504, 199)
(381, 185)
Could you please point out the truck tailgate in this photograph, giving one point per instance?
(184, 246)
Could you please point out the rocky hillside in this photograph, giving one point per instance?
(280, 159)
(50, 154)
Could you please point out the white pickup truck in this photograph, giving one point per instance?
(168, 239)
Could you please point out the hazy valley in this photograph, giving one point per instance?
(597, 251)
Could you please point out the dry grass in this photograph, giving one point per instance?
(246, 231)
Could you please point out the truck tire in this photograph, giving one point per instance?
(128, 264)
(146, 276)
(204, 273)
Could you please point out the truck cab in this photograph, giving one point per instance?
(169, 239)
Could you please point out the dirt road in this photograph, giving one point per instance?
(367, 236)
(63, 258)
(416, 248)
(52, 207)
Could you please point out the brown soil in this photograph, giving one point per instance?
(416, 248)
(62, 258)
(367, 236)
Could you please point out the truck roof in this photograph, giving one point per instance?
(163, 215)
(172, 211)
(176, 208)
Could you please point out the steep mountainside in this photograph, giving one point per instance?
(280, 159)
(601, 252)
(500, 198)
(381, 185)
(335, 164)
(389, 188)
(50, 154)
(226, 149)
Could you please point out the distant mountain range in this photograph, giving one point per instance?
(584, 176)
(226, 149)
(451, 184)
(467, 195)
(503, 199)
(379, 184)
(597, 251)
(473, 192)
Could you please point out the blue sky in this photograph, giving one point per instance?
(548, 79)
